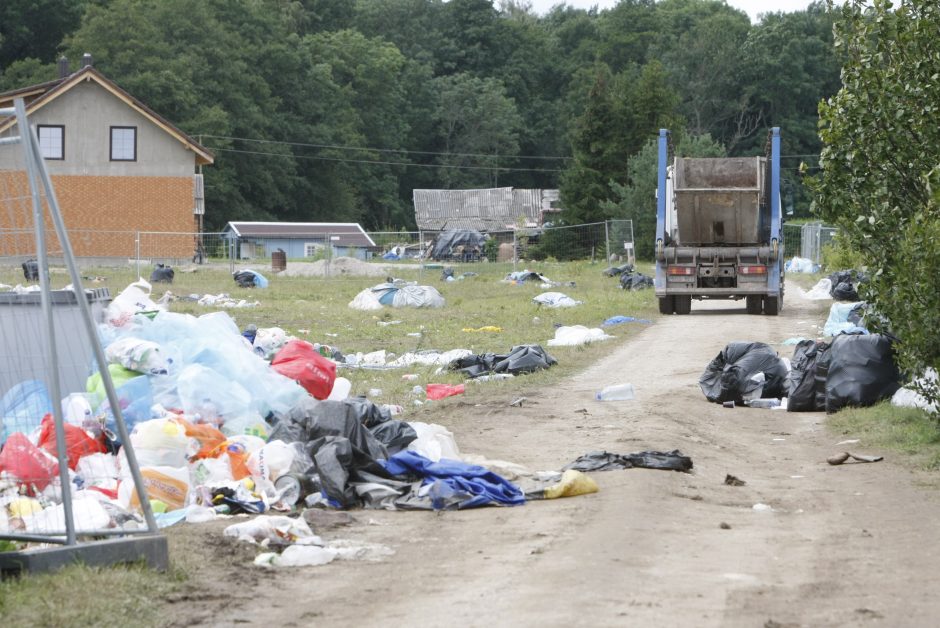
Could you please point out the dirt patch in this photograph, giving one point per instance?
(690, 549)
(338, 267)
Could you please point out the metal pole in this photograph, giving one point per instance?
(92, 331)
(52, 358)
(607, 241)
(515, 252)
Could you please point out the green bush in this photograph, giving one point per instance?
(839, 255)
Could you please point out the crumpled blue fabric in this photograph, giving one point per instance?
(481, 485)
(616, 320)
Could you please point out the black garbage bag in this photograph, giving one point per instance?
(862, 371)
(310, 420)
(845, 284)
(394, 434)
(727, 376)
(635, 281)
(162, 274)
(613, 271)
(31, 270)
(338, 463)
(520, 359)
(857, 315)
(605, 461)
(807, 380)
(244, 279)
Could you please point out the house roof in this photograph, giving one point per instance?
(341, 233)
(487, 210)
(37, 96)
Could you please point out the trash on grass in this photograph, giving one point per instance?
(555, 299)
(576, 335)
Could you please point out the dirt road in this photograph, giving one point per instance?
(851, 545)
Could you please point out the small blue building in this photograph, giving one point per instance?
(258, 240)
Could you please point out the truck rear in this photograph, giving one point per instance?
(718, 230)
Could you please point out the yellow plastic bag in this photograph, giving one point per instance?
(572, 483)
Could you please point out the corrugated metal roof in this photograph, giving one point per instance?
(489, 209)
(343, 233)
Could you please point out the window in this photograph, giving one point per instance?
(312, 249)
(123, 143)
(51, 141)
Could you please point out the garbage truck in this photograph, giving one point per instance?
(718, 230)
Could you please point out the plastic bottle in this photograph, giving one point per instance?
(763, 403)
(617, 392)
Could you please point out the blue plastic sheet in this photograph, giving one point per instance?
(617, 320)
(22, 408)
(450, 477)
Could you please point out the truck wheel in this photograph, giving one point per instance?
(754, 303)
(683, 304)
(771, 306)
(667, 305)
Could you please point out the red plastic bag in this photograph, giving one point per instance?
(299, 361)
(26, 462)
(439, 391)
(77, 441)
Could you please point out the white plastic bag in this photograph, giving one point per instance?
(434, 441)
(271, 461)
(133, 299)
(138, 355)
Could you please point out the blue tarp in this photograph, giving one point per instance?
(453, 476)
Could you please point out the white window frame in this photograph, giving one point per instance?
(124, 149)
(312, 249)
(50, 146)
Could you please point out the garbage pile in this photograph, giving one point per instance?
(854, 370)
(800, 265)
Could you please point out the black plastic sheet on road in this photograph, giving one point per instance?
(520, 359)
(607, 461)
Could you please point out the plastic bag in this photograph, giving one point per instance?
(77, 441)
(133, 299)
(299, 361)
(29, 464)
(139, 355)
(439, 391)
(434, 441)
(267, 341)
(23, 407)
(134, 398)
(271, 461)
(208, 436)
(213, 397)
(162, 442)
(169, 485)
(728, 376)
(807, 379)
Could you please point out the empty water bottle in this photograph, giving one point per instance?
(763, 403)
(617, 392)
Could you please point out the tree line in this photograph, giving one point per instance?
(335, 110)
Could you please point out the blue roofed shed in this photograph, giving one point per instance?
(258, 240)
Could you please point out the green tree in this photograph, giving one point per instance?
(636, 200)
(35, 28)
(880, 139)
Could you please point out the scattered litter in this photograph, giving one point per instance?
(763, 403)
(492, 377)
(731, 480)
(522, 276)
(605, 461)
(571, 484)
(635, 281)
(297, 556)
(845, 456)
(517, 403)
(614, 271)
(224, 300)
(250, 279)
(397, 295)
(555, 299)
(485, 328)
(162, 274)
(273, 529)
(762, 508)
(520, 359)
(576, 335)
(724, 526)
(851, 441)
(801, 265)
(440, 391)
(909, 398)
(616, 392)
(820, 291)
(387, 323)
(619, 319)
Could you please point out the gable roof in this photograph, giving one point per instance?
(341, 233)
(37, 96)
(486, 210)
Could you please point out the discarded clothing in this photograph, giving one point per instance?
(619, 319)
(728, 377)
(862, 371)
(475, 485)
(606, 461)
(520, 359)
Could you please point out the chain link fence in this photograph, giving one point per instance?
(807, 240)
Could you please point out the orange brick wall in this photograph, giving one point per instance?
(103, 214)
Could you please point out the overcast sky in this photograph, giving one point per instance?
(751, 7)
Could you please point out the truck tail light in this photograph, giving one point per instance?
(753, 269)
(680, 270)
